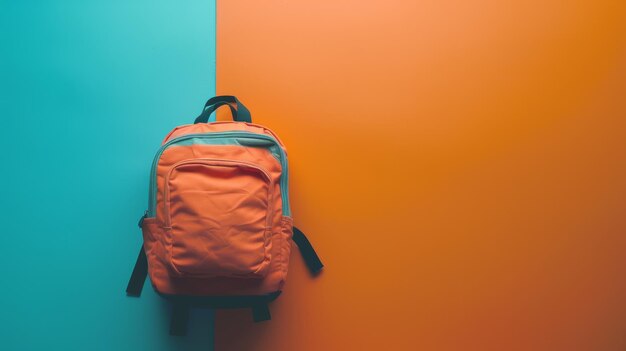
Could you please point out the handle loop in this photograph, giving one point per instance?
(239, 112)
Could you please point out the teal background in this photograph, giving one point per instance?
(88, 91)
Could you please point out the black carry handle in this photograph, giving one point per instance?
(239, 111)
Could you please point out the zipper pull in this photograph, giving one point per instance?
(140, 224)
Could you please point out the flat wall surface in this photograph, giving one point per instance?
(459, 165)
(88, 89)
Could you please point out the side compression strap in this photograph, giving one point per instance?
(308, 252)
(135, 284)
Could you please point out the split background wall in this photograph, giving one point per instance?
(458, 164)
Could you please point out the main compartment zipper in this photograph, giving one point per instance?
(237, 136)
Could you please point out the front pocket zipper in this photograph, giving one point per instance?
(219, 214)
(215, 162)
(230, 137)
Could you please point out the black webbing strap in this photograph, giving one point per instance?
(239, 111)
(138, 277)
(261, 312)
(233, 108)
(311, 259)
(206, 113)
(180, 319)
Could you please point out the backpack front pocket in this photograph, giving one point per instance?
(218, 214)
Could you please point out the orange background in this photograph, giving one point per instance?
(459, 165)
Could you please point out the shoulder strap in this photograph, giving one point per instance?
(311, 259)
(180, 319)
(261, 312)
(138, 277)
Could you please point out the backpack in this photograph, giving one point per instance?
(218, 229)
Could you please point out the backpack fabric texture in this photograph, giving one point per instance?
(218, 229)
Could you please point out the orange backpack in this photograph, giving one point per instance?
(218, 229)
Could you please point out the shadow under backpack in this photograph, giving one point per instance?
(218, 229)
